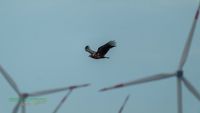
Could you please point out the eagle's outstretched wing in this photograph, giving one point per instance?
(105, 48)
(87, 48)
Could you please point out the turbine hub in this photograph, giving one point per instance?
(179, 73)
(24, 95)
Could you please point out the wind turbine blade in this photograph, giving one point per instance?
(46, 92)
(189, 40)
(139, 81)
(16, 108)
(191, 88)
(9, 80)
(23, 106)
(62, 101)
(179, 96)
(123, 105)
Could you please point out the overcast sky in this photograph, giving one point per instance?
(42, 47)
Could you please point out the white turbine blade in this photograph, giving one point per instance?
(140, 81)
(123, 105)
(62, 101)
(191, 88)
(9, 80)
(189, 41)
(46, 92)
(16, 108)
(179, 96)
(23, 106)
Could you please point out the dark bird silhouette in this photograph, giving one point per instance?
(101, 52)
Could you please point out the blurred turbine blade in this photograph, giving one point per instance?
(140, 81)
(46, 92)
(179, 96)
(9, 80)
(123, 105)
(23, 106)
(16, 108)
(191, 88)
(62, 101)
(189, 41)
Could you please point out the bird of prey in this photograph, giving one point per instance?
(101, 52)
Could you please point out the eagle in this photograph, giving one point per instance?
(101, 52)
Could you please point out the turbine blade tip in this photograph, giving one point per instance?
(119, 86)
(197, 15)
(88, 84)
(104, 89)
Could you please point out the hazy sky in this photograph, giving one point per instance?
(42, 47)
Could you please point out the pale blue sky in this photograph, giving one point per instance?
(42, 46)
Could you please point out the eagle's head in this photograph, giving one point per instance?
(97, 56)
(93, 56)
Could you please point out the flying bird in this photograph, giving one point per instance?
(101, 52)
